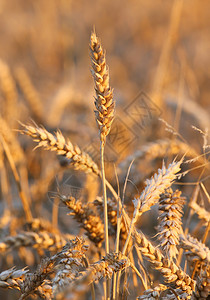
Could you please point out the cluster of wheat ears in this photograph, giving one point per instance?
(100, 265)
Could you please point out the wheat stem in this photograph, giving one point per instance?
(22, 194)
(106, 232)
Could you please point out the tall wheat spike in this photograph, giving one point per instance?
(104, 103)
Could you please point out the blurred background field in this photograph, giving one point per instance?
(157, 51)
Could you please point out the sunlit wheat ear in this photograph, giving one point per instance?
(78, 158)
(34, 280)
(12, 278)
(158, 149)
(112, 262)
(156, 185)
(163, 292)
(201, 212)
(112, 216)
(41, 240)
(195, 250)
(86, 217)
(203, 285)
(170, 224)
(170, 271)
(70, 260)
(104, 94)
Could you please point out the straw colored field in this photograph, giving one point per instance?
(104, 149)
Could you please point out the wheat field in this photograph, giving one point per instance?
(104, 150)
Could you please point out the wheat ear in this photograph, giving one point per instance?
(170, 224)
(42, 240)
(201, 212)
(34, 280)
(12, 278)
(104, 95)
(78, 159)
(158, 149)
(70, 259)
(163, 292)
(170, 271)
(195, 250)
(86, 216)
(150, 195)
(203, 285)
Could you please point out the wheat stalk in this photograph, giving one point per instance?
(8, 135)
(8, 87)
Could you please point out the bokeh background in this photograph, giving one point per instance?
(158, 49)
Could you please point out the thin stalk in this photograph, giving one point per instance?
(114, 278)
(105, 200)
(188, 217)
(106, 232)
(92, 284)
(55, 210)
(146, 278)
(114, 290)
(134, 219)
(139, 274)
(135, 281)
(22, 195)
